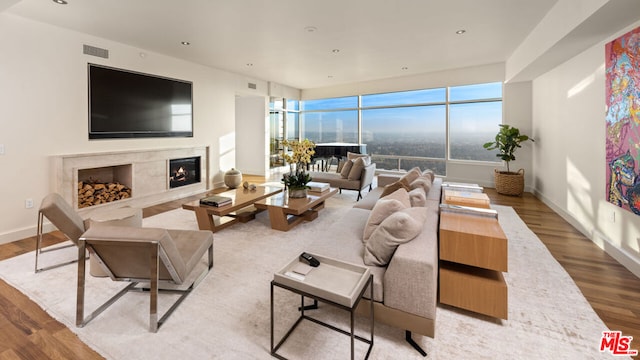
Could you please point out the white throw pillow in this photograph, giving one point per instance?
(421, 183)
(418, 197)
(399, 228)
(400, 194)
(382, 210)
(412, 175)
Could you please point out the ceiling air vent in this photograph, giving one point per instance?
(95, 51)
(252, 86)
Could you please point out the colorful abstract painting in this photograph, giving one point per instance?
(623, 120)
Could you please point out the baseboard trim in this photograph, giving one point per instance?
(621, 255)
(601, 240)
(24, 233)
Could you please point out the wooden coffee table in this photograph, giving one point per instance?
(241, 208)
(285, 212)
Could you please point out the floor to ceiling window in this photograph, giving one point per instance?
(284, 124)
(424, 128)
(474, 114)
(330, 120)
(406, 129)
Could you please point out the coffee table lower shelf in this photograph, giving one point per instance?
(303, 316)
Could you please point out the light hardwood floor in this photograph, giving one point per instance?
(27, 332)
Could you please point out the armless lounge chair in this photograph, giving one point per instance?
(69, 222)
(147, 255)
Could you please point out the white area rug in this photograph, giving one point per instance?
(227, 316)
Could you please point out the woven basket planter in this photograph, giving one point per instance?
(509, 183)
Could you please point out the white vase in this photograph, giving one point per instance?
(233, 178)
(297, 193)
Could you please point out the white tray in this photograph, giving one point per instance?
(332, 280)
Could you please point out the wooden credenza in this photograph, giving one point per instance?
(473, 256)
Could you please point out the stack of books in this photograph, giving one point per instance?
(466, 198)
(462, 187)
(216, 200)
(469, 210)
(318, 186)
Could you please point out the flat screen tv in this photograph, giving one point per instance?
(127, 104)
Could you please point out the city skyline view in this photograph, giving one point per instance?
(417, 124)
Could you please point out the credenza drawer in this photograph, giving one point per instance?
(479, 290)
(473, 240)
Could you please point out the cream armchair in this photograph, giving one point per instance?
(148, 255)
(68, 221)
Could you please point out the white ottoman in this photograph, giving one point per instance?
(125, 216)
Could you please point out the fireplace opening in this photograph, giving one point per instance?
(185, 171)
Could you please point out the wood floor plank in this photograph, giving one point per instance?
(9, 355)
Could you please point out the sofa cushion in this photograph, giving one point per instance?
(399, 228)
(391, 188)
(418, 197)
(342, 242)
(402, 195)
(382, 210)
(370, 199)
(421, 183)
(346, 168)
(416, 259)
(356, 170)
(354, 156)
(410, 176)
(429, 173)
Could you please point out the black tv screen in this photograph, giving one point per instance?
(127, 104)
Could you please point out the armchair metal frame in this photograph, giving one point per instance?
(40, 249)
(156, 255)
(62, 216)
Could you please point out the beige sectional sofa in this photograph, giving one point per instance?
(405, 290)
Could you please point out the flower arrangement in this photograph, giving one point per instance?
(300, 156)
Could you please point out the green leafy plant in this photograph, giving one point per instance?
(507, 140)
(296, 180)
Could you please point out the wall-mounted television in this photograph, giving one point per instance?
(128, 104)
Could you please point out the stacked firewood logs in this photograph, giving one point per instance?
(95, 192)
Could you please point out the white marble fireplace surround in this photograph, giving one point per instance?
(149, 175)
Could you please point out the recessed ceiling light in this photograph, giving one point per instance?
(310, 29)
(405, 68)
(335, 51)
(249, 64)
(185, 43)
(330, 76)
(461, 31)
(61, 2)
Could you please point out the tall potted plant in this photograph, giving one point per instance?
(507, 141)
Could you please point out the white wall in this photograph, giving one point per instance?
(516, 112)
(569, 156)
(43, 88)
(252, 135)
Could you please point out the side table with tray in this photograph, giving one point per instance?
(333, 282)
